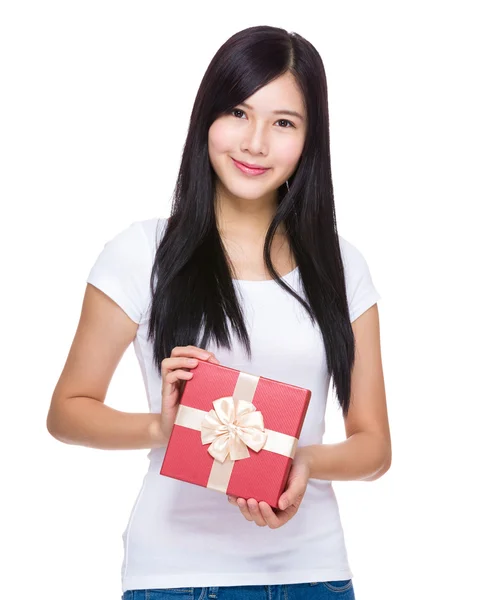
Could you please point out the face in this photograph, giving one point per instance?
(253, 134)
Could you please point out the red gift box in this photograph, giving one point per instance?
(236, 433)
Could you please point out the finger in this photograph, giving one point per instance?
(191, 348)
(200, 352)
(272, 519)
(168, 365)
(184, 363)
(179, 355)
(243, 507)
(174, 376)
(190, 351)
(209, 356)
(179, 362)
(256, 513)
(294, 493)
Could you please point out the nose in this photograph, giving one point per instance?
(255, 141)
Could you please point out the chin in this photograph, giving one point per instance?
(248, 190)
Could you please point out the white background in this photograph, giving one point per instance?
(95, 103)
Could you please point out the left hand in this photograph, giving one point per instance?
(289, 502)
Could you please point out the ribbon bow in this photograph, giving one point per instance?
(233, 425)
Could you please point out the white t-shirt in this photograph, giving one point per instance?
(183, 535)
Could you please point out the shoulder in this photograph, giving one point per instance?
(138, 241)
(132, 248)
(351, 255)
(361, 291)
(123, 267)
(153, 230)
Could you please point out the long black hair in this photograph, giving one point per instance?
(193, 297)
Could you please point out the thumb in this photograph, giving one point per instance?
(284, 501)
(288, 498)
(292, 496)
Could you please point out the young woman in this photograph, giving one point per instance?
(248, 272)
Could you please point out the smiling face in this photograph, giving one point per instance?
(252, 133)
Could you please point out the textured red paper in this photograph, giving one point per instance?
(264, 474)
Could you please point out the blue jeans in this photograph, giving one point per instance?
(323, 590)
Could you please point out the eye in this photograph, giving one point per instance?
(286, 121)
(238, 110)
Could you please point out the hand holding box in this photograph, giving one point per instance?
(236, 432)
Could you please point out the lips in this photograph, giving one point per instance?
(249, 170)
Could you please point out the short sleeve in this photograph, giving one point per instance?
(361, 292)
(122, 271)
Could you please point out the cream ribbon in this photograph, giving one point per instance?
(231, 426)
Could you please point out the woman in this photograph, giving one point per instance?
(248, 272)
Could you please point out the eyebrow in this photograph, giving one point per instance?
(285, 111)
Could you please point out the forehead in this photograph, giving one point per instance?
(281, 93)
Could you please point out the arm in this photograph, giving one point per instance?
(366, 454)
(77, 413)
(89, 422)
(362, 456)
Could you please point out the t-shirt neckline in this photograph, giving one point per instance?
(252, 281)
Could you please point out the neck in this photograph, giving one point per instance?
(238, 217)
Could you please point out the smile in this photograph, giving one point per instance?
(248, 170)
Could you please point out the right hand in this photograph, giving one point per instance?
(175, 373)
